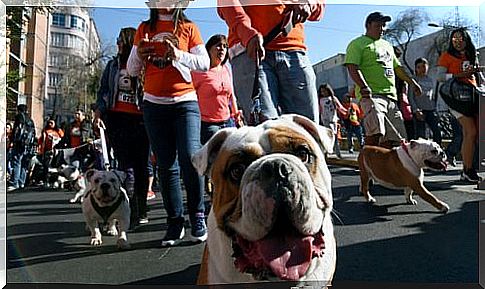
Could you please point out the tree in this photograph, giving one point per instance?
(405, 28)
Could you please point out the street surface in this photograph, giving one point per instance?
(387, 242)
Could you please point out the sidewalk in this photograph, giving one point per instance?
(451, 175)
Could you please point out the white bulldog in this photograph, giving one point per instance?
(402, 168)
(107, 201)
(271, 205)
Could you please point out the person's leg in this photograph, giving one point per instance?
(454, 146)
(420, 128)
(16, 168)
(188, 142)
(395, 129)
(468, 147)
(243, 70)
(140, 141)
(296, 81)
(350, 133)
(374, 122)
(432, 120)
(359, 134)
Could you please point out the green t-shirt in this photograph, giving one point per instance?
(377, 61)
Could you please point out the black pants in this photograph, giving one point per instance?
(127, 136)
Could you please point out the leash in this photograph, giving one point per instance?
(104, 147)
(283, 28)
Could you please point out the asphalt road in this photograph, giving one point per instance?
(387, 242)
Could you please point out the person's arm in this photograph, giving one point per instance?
(358, 78)
(197, 59)
(103, 90)
(232, 12)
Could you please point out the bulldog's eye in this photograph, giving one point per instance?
(304, 154)
(112, 180)
(435, 151)
(236, 171)
(96, 181)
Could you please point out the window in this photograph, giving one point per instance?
(54, 79)
(78, 22)
(59, 19)
(58, 39)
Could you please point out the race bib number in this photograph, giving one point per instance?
(389, 72)
(126, 97)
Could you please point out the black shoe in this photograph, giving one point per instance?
(175, 232)
(198, 231)
(471, 176)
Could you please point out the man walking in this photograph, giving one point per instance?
(23, 142)
(372, 65)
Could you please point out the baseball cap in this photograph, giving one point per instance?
(377, 17)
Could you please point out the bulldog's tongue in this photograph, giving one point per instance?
(288, 257)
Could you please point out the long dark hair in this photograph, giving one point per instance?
(178, 16)
(328, 87)
(126, 37)
(470, 50)
(214, 40)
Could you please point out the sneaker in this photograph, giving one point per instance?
(151, 195)
(198, 229)
(143, 221)
(470, 175)
(351, 151)
(175, 232)
(11, 188)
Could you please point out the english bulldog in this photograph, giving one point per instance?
(402, 168)
(271, 203)
(106, 201)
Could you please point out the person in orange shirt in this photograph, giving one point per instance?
(460, 62)
(118, 105)
(286, 77)
(352, 117)
(50, 137)
(170, 46)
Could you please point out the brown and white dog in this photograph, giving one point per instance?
(402, 168)
(106, 201)
(271, 204)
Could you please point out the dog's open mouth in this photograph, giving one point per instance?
(436, 165)
(284, 256)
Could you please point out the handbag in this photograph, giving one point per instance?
(462, 97)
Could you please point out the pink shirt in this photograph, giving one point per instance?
(214, 91)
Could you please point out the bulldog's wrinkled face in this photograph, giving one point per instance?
(428, 154)
(272, 192)
(105, 185)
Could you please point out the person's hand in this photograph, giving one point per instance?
(419, 115)
(255, 48)
(173, 53)
(365, 92)
(145, 48)
(301, 12)
(97, 122)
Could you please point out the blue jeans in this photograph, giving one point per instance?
(19, 162)
(430, 118)
(208, 129)
(174, 134)
(286, 80)
(357, 131)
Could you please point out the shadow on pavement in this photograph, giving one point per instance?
(185, 277)
(449, 241)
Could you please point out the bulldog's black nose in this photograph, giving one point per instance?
(105, 186)
(277, 169)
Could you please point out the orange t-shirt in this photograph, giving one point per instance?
(168, 82)
(456, 65)
(263, 18)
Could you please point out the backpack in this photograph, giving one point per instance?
(24, 134)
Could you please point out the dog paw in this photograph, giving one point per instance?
(371, 200)
(444, 208)
(72, 201)
(96, 241)
(123, 244)
(412, 202)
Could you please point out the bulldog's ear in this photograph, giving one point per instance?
(89, 174)
(121, 175)
(203, 158)
(413, 143)
(323, 135)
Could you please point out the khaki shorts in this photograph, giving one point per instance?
(382, 116)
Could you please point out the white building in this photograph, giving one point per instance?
(73, 44)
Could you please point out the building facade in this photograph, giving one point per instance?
(74, 45)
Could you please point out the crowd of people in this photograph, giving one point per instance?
(166, 92)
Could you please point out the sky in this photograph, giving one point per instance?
(325, 38)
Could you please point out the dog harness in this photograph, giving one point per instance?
(106, 212)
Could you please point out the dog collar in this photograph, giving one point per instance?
(405, 148)
(105, 212)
